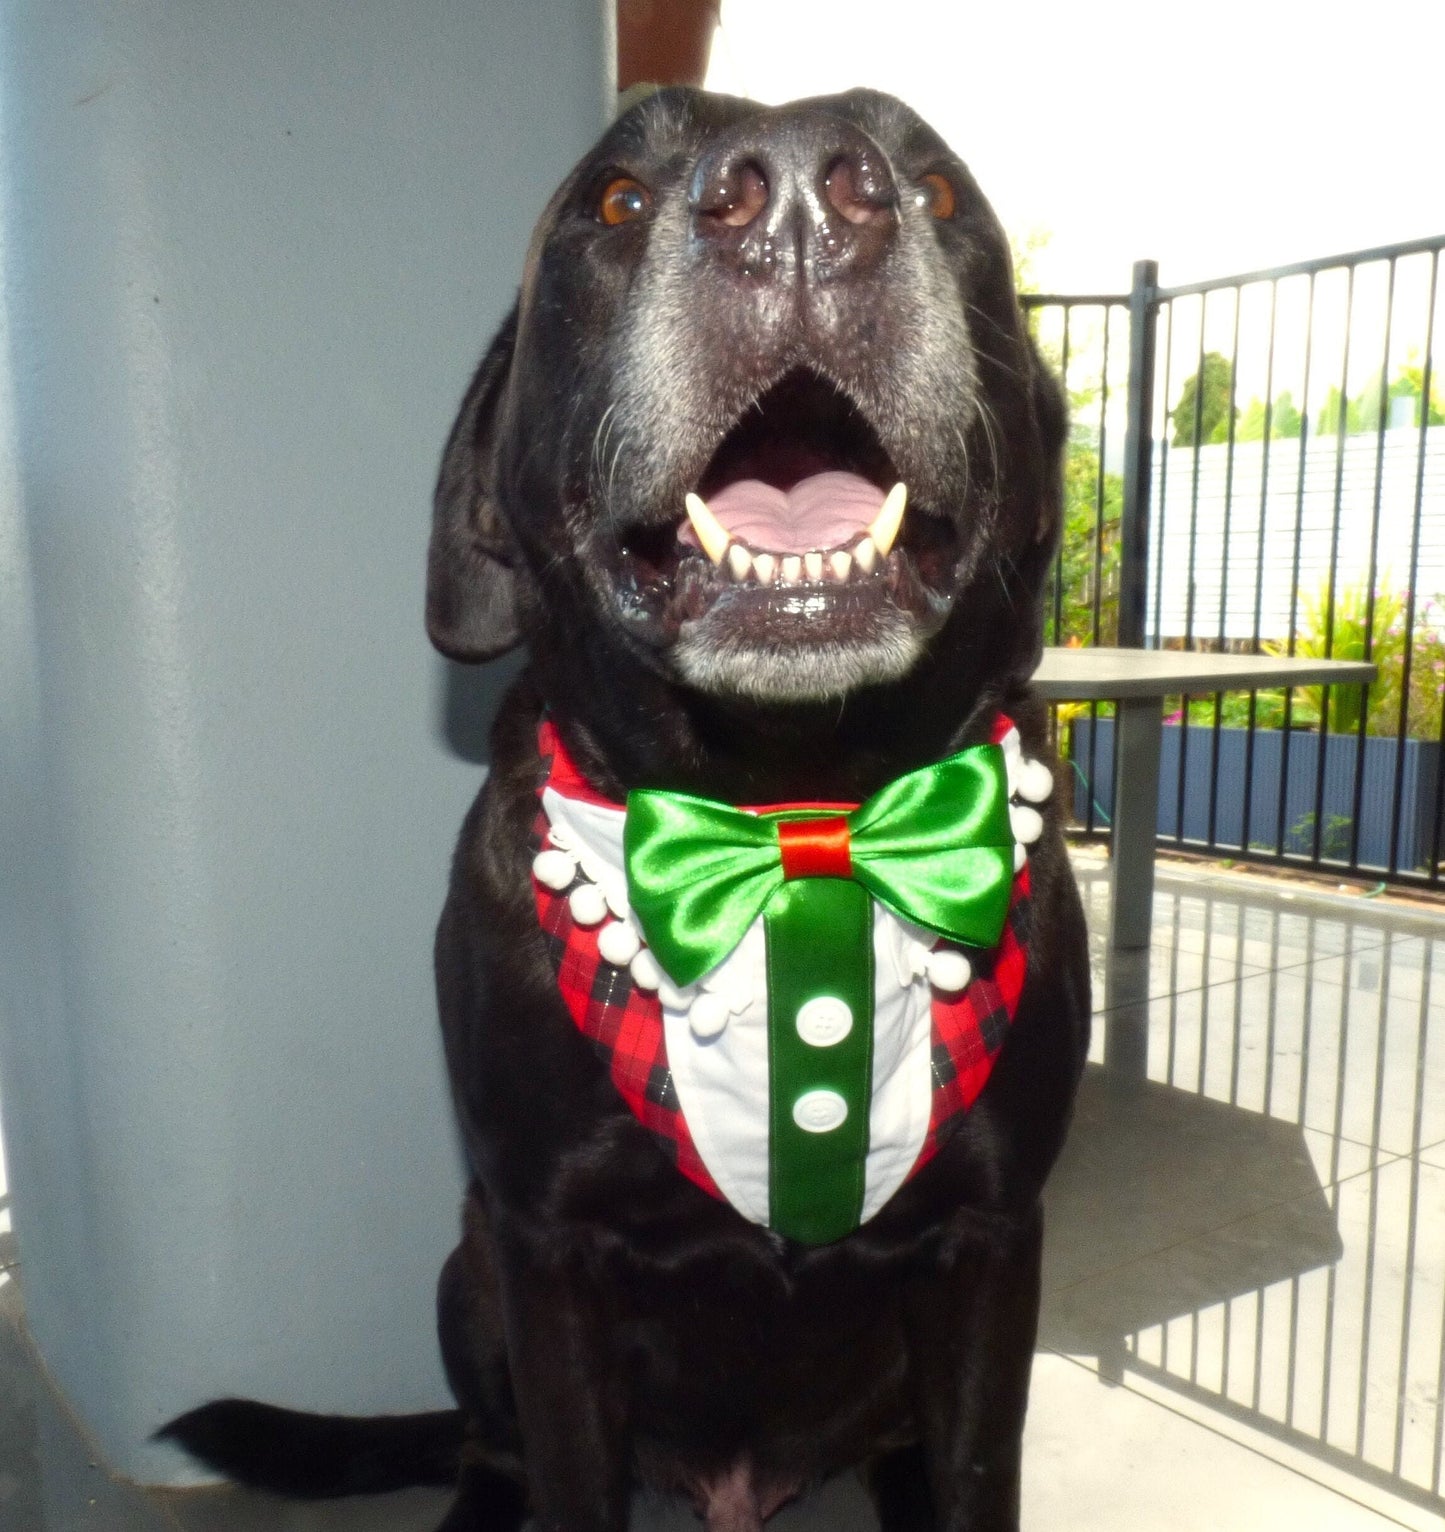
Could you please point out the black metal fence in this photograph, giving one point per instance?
(1257, 464)
(1315, 1319)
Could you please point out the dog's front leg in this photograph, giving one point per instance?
(970, 1323)
(571, 1401)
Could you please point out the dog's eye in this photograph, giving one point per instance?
(622, 201)
(935, 192)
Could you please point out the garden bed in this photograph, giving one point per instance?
(1224, 786)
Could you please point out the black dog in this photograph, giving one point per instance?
(770, 316)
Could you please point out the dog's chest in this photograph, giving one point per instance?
(695, 1063)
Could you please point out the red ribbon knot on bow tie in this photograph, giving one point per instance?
(815, 848)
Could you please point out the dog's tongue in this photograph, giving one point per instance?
(825, 510)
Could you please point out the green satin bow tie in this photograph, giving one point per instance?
(935, 846)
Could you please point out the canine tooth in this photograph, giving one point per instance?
(865, 555)
(710, 531)
(889, 519)
(740, 561)
(792, 569)
(841, 564)
(813, 563)
(765, 566)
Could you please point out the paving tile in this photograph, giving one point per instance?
(1255, 928)
(241, 1510)
(1350, 1062)
(1406, 968)
(1340, 1359)
(1102, 1459)
(1147, 1166)
(1124, 978)
(50, 1480)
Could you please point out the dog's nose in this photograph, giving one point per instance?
(803, 195)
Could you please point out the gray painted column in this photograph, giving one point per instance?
(251, 253)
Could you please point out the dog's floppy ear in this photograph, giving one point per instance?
(471, 561)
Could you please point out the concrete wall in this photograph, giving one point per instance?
(251, 253)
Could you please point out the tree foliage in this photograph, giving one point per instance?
(1284, 420)
(1374, 402)
(1089, 550)
(1361, 413)
(1203, 412)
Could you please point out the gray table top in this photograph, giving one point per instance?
(1082, 675)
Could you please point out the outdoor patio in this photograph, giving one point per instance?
(1244, 1323)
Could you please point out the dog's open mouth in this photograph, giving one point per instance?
(798, 534)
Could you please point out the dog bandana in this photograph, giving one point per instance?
(795, 999)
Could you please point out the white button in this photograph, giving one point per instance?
(820, 1111)
(824, 1021)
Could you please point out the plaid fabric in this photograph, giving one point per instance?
(624, 1023)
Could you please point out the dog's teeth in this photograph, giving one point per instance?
(841, 565)
(765, 566)
(792, 569)
(813, 564)
(740, 561)
(889, 519)
(710, 531)
(865, 555)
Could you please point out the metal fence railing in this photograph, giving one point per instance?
(1317, 1318)
(1257, 464)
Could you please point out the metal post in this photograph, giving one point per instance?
(1138, 456)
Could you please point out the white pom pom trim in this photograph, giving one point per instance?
(949, 970)
(1035, 782)
(619, 943)
(587, 904)
(708, 1015)
(554, 869)
(1027, 823)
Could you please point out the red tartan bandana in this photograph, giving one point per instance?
(625, 1022)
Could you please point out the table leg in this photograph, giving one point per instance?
(1139, 730)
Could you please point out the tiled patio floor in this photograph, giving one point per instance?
(1244, 1320)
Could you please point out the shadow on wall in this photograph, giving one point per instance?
(467, 700)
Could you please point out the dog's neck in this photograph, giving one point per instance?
(629, 727)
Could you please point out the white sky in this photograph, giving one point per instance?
(1215, 137)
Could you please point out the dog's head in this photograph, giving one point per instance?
(740, 330)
